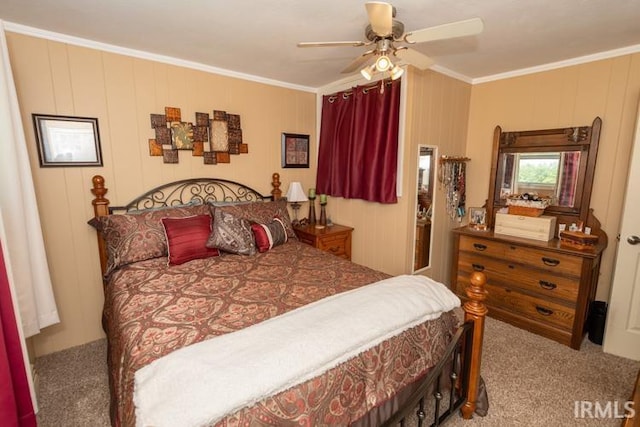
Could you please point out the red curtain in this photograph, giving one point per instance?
(358, 150)
(16, 408)
(569, 179)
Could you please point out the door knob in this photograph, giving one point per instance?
(633, 240)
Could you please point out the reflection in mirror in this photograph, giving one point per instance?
(550, 174)
(424, 206)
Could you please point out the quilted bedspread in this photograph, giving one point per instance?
(152, 309)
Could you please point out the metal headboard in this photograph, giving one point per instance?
(198, 190)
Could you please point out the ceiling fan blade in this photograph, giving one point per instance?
(415, 58)
(357, 63)
(467, 27)
(331, 44)
(380, 17)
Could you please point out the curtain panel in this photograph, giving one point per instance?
(16, 408)
(24, 240)
(358, 150)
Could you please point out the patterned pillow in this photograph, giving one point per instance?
(269, 235)
(186, 238)
(261, 212)
(139, 236)
(231, 233)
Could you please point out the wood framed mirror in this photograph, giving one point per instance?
(555, 163)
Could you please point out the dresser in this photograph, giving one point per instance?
(335, 239)
(542, 287)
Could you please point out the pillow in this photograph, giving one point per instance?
(269, 235)
(261, 212)
(139, 236)
(231, 233)
(186, 238)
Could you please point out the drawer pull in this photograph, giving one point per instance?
(547, 285)
(544, 311)
(477, 267)
(480, 246)
(550, 261)
(334, 248)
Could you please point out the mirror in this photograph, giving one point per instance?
(554, 163)
(424, 206)
(551, 174)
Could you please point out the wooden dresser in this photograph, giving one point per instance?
(538, 286)
(335, 239)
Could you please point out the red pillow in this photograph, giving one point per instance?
(186, 238)
(268, 235)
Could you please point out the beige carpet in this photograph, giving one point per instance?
(531, 381)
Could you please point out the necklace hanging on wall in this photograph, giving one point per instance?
(452, 176)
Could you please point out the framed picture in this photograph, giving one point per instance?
(478, 218)
(67, 141)
(295, 150)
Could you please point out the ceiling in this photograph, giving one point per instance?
(258, 37)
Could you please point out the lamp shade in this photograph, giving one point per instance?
(295, 193)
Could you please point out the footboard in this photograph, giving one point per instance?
(454, 381)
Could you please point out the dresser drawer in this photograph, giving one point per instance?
(541, 282)
(482, 246)
(535, 309)
(335, 244)
(551, 261)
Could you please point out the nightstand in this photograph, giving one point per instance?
(335, 239)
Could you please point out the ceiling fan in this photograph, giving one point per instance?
(384, 32)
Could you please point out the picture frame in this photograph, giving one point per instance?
(295, 150)
(478, 218)
(65, 141)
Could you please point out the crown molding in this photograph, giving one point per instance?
(77, 41)
(560, 64)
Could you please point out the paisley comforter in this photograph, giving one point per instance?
(152, 309)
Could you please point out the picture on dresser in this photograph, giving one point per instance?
(478, 218)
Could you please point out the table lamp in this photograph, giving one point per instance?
(295, 195)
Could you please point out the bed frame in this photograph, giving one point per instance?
(453, 383)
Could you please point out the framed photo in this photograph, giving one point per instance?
(478, 218)
(295, 150)
(67, 141)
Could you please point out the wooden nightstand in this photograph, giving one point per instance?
(335, 239)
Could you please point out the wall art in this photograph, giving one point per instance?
(214, 138)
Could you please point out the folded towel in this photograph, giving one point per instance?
(201, 383)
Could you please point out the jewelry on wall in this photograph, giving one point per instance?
(452, 176)
(214, 140)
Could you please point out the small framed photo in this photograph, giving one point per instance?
(478, 218)
(295, 150)
(67, 141)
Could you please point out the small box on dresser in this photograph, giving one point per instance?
(529, 227)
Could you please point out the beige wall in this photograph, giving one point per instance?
(121, 92)
(571, 96)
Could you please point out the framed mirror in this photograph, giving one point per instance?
(424, 206)
(555, 164)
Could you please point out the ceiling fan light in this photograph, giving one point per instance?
(383, 63)
(396, 72)
(367, 72)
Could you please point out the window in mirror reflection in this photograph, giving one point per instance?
(553, 175)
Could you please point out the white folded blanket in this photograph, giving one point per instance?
(200, 384)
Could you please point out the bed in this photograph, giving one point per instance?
(173, 310)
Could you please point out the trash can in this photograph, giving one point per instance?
(596, 321)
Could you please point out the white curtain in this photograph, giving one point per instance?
(25, 244)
